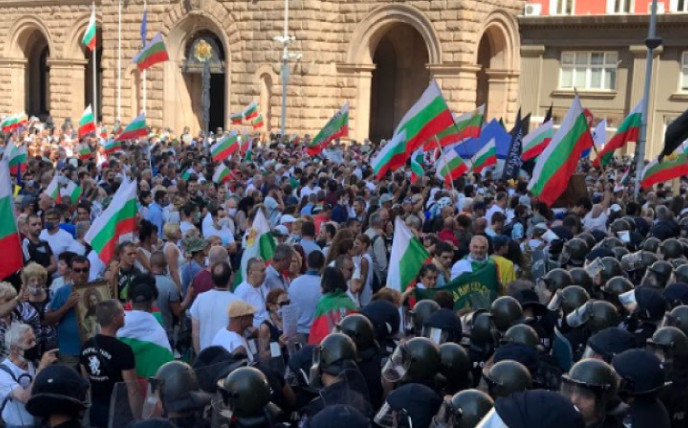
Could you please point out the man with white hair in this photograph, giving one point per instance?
(18, 371)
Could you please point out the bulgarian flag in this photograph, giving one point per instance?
(469, 124)
(627, 131)
(225, 147)
(86, 123)
(416, 165)
(136, 129)
(329, 311)
(623, 181)
(89, 39)
(558, 161)
(72, 190)
(13, 258)
(18, 158)
(251, 111)
(246, 143)
(237, 118)
(428, 116)
(451, 166)
(258, 122)
(111, 146)
(259, 243)
(487, 156)
(222, 174)
(672, 166)
(146, 337)
(153, 53)
(53, 189)
(84, 151)
(336, 127)
(116, 222)
(536, 141)
(248, 154)
(13, 122)
(409, 256)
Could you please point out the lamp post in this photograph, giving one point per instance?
(652, 42)
(285, 40)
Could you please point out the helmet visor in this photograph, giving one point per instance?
(443, 418)
(628, 301)
(491, 420)
(580, 316)
(314, 375)
(590, 353)
(573, 390)
(397, 365)
(392, 418)
(594, 268)
(556, 301)
(437, 335)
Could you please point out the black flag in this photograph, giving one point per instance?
(675, 134)
(525, 125)
(548, 115)
(513, 161)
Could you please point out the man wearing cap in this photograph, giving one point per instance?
(232, 338)
(195, 246)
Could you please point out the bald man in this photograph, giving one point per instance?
(474, 260)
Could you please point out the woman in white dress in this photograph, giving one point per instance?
(364, 265)
(173, 255)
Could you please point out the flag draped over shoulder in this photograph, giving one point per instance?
(259, 243)
(117, 221)
(329, 311)
(153, 52)
(147, 339)
(558, 161)
(426, 118)
(408, 256)
(12, 256)
(336, 127)
(628, 131)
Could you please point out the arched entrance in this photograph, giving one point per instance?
(495, 69)
(399, 78)
(36, 75)
(88, 76)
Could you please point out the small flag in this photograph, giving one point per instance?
(225, 147)
(152, 53)
(237, 118)
(86, 123)
(136, 129)
(258, 122)
(251, 111)
(222, 174)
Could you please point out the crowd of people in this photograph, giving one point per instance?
(522, 315)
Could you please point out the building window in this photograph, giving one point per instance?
(684, 72)
(561, 7)
(588, 70)
(620, 6)
(679, 5)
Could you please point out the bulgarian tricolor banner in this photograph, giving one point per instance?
(237, 118)
(149, 342)
(469, 124)
(14, 121)
(258, 122)
(225, 147)
(117, 222)
(10, 242)
(111, 146)
(536, 141)
(626, 132)
(53, 189)
(428, 116)
(329, 311)
(451, 166)
(89, 39)
(409, 256)
(487, 156)
(672, 166)
(336, 127)
(72, 190)
(84, 151)
(17, 158)
(259, 243)
(558, 161)
(153, 53)
(222, 174)
(136, 129)
(251, 111)
(86, 123)
(417, 165)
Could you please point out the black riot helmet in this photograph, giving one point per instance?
(620, 252)
(483, 329)
(469, 407)
(678, 317)
(651, 244)
(658, 274)
(556, 279)
(591, 375)
(609, 243)
(522, 333)
(678, 262)
(615, 286)
(611, 267)
(506, 311)
(595, 315)
(178, 388)
(573, 253)
(581, 277)
(415, 360)
(619, 225)
(507, 377)
(572, 297)
(671, 248)
(455, 366)
(681, 273)
(360, 330)
(589, 240)
(671, 346)
(335, 354)
(421, 312)
(56, 390)
(245, 392)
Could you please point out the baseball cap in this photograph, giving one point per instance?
(280, 230)
(287, 218)
(239, 308)
(385, 198)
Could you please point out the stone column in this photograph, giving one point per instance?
(497, 97)
(67, 81)
(458, 83)
(531, 78)
(655, 125)
(360, 76)
(13, 83)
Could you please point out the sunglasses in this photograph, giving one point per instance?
(80, 270)
(285, 303)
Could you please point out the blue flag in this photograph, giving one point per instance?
(491, 131)
(144, 24)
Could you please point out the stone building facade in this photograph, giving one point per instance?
(378, 55)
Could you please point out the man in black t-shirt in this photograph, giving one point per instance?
(127, 270)
(35, 249)
(105, 361)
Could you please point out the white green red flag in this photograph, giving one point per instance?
(558, 161)
(112, 146)
(248, 153)
(89, 39)
(672, 166)
(426, 118)
(10, 123)
(626, 132)
(153, 53)
(258, 122)
(86, 122)
(417, 165)
(236, 118)
(259, 243)
(225, 147)
(84, 151)
(251, 111)
(116, 223)
(13, 258)
(147, 339)
(136, 129)
(53, 189)
(17, 158)
(623, 181)
(469, 124)
(536, 141)
(409, 256)
(336, 127)
(450, 166)
(487, 156)
(222, 174)
(72, 190)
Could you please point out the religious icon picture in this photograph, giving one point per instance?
(91, 294)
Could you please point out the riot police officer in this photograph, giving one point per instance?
(414, 361)
(646, 307)
(573, 253)
(506, 311)
(419, 314)
(506, 377)
(178, 395)
(465, 409)
(671, 346)
(608, 342)
(59, 397)
(455, 368)
(533, 409)
(484, 337)
(410, 405)
(385, 318)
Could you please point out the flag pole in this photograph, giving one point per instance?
(439, 146)
(95, 77)
(119, 60)
(145, 97)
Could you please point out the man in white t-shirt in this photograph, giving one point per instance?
(253, 290)
(209, 310)
(58, 239)
(232, 338)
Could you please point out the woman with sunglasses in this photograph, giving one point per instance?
(271, 333)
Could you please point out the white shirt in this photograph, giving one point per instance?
(493, 209)
(15, 412)
(231, 341)
(590, 223)
(185, 226)
(210, 309)
(59, 242)
(255, 297)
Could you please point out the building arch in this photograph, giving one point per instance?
(20, 36)
(73, 49)
(267, 79)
